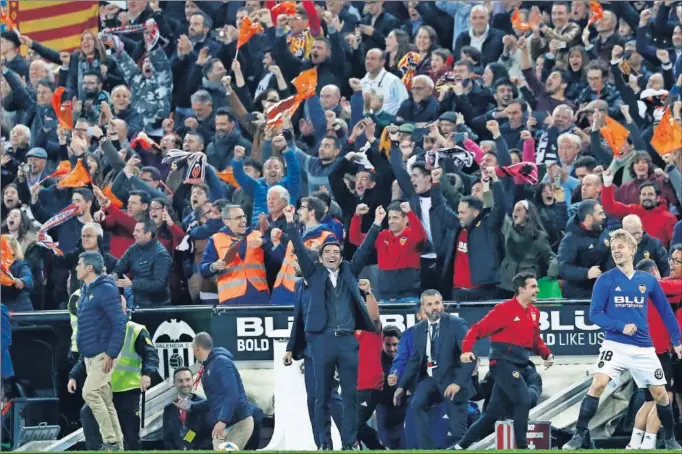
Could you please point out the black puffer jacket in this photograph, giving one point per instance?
(149, 267)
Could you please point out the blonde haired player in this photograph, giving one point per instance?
(619, 304)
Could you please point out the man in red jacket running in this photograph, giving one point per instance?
(514, 330)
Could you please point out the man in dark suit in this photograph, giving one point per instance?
(298, 348)
(436, 367)
(336, 310)
(183, 430)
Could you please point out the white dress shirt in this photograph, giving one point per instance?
(392, 87)
(429, 358)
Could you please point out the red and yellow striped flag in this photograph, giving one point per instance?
(56, 24)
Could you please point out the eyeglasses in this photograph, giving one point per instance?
(674, 260)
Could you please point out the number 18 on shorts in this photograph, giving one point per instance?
(642, 363)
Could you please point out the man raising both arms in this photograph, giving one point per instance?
(619, 305)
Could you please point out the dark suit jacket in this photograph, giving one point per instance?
(196, 422)
(297, 343)
(450, 368)
(490, 51)
(316, 276)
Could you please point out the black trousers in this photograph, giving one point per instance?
(425, 396)
(329, 353)
(510, 395)
(336, 404)
(369, 399)
(127, 404)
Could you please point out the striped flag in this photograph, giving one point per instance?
(55, 24)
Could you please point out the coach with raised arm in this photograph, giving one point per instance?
(337, 309)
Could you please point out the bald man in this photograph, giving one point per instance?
(648, 247)
(330, 96)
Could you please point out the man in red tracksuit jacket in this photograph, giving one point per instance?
(398, 251)
(514, 330)
(647, 423)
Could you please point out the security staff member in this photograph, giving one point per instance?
(132, 373)
(237, 256)
(514, 330)
(336, 310)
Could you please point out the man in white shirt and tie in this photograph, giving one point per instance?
(436, 371)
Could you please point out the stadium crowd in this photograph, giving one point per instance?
(486, 139)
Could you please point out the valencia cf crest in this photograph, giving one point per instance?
(403, 240)
(646, 254)
(607, 243)
(533, 315)
(516, 374)
(642, 288)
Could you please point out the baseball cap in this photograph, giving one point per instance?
(37, 152)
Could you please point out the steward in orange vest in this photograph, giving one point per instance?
(236, 256)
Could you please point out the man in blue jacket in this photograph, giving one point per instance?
(228, 409)
(101, 332)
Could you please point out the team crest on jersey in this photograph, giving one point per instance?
(658, 374)
(516, 374)
(646, 254)
(642, 288)
(533, 315)
(403, 240)
(607, 243)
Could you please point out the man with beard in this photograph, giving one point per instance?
(317, 168)
(436, 369)
(584, 251)
(182, 429)
(656, 219)
(208, 75)
(90, 106)
(326, 55)
(553, 93)
(221, 150)
(120, 224)
(390, 419)
(505, 95)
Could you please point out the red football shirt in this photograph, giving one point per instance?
(462, 276)
(370, 372)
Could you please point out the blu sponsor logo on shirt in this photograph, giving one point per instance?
(629, 301)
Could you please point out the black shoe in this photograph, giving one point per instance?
(353, 447)
(672, 444)
(580, 440)
(325, 447)
(109, 447)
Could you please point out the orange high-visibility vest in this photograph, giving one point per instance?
(287, 275)
(232, 283)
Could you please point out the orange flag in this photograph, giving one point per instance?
(667, 136)
(78, 177)
(274, 113)
(109, 194)
(615, 134)
(306, 83)
(385, 142)
(227, 176)
(518, 24)
(6, 260)
(63, 110)
(247, 31)
(596, 13)
(63, 168)
(286, 8)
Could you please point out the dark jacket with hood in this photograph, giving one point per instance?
(225, 396)
(101, 321)
(580, 250)
(150, 268)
